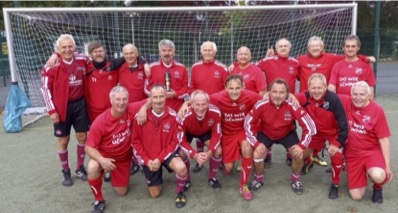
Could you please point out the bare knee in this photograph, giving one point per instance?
(93, 169)
(154, 191)
(81, 137)
(357, 194)
(247, 149)
(228, 167)
(377, 175)
(121, 191)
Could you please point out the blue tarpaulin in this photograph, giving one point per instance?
(17, 103)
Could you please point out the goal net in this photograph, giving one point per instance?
(33, 32)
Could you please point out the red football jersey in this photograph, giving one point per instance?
(208, 77)
(111, 136)
(134, 81)
(253, 78)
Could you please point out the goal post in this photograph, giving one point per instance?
(31, 32)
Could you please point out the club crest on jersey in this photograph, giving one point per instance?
(140, 75)
(246, 76)
(291, 70)
(210, 122)
(242, 107)
(166, 127)
(287, 116)
(176, 74)
(72, 77)
(325, 105)
(358, 70)
(109, 77)
(366, 119)
(216, 74)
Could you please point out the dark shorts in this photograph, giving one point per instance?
(204, 137)
(76, 115)
(155, 178)
(288, 141)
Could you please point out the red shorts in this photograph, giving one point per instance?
(230, 145)
(121, 175)
(318, 141)
(356, 168)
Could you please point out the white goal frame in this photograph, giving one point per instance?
(8, 11)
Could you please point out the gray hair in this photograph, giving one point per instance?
(157, 86)
(315, 38)
(198, 92)
(361, 84)
(208, 42)
(352, 37)
(319, 76)
(166, 43)
(290, 44)
(130, 45)
(117, 89)
(65, 37)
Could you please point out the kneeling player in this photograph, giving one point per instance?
(276, 118)
(109, 147)
(202, 121)
(155, 144)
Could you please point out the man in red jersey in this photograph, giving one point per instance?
(63, 93)
(317, 61)
(276, 117)
(101, 78)
(155, 144)
(328, 114)
(132, 73)
(253, 78)
(367, 152)
(351, 69)
(282, 66)
(202, 121)
(207, 75)
(234, 104)
(109, 147)
(176, 71)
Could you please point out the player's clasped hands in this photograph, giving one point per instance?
(154, 165)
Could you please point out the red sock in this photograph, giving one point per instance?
(199, 145)
(377, 186)
(180, 181)
(269, 153)
(63, 158)
(337, 166)
(214, 165)
(80, 155)
(96, 187)
(246, 164)
(259, 178)
(188, 165)
(295, 177)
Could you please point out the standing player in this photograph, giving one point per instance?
(63, 93)
(234, 104)
(276, 118)
(351, 69)
(326, 110)
(202, 121)
(367, 152)
(176, 71)
(253, 78)
(209, 76)
(155, 145)
(109, 147)
(101, 78)
(282, 66)
(132, 76)
(132, 73)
